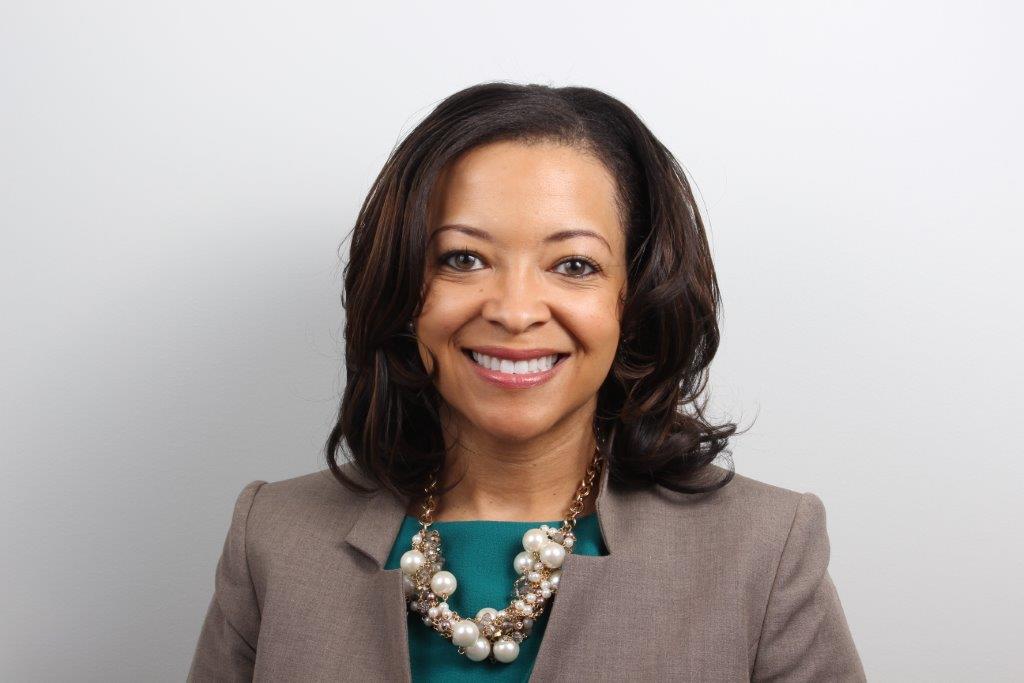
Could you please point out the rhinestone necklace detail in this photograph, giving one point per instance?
(492, 633)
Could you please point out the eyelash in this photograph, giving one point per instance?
(442, 260)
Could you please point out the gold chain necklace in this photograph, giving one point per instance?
(494, 633)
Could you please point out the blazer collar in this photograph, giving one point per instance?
(584, 576)
(381, 517)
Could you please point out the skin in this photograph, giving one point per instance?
(521, 453)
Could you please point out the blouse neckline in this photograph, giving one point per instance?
(554, 522)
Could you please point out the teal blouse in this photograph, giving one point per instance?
(480, 553)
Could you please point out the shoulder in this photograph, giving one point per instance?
(748, 499)
(746, 517)
(312, 489)
(305, 506)
(742, 498)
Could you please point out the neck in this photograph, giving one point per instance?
(516, 482)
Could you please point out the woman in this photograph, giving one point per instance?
(531, 312)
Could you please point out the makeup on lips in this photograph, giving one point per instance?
(515, 368)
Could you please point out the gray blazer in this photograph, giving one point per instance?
(727, 586)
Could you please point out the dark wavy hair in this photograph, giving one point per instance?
(650, 419)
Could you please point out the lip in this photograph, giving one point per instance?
(507, 381)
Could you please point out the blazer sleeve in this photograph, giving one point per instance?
(805, 636)
(226, 650)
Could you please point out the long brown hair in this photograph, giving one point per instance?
(650, 415)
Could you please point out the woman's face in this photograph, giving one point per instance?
(526, 258)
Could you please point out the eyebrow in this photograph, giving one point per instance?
(559, 236)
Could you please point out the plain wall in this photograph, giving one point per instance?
(178, 178)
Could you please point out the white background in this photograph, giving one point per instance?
(178, 178)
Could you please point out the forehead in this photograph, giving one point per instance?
(517, 186)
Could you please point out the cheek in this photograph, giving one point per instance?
(445, 311)
(596, 325)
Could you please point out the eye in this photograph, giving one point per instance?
(458, 258)
(466, 256)
(585, 263)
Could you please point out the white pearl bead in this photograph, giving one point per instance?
(479, 650)
(546, 593)
(416, 538)
(534, 539)
(408, 585)
(412, 561)
(465, 633)
(487, 610)
(530, 598)
(523, 562)
(506, 650)
(555, 578)
(552, 554)
(433, 612)
(443, 583)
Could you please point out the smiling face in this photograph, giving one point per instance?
(526, 259)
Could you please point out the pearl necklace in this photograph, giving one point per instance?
(492, 632)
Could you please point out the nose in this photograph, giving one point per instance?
(515, 299)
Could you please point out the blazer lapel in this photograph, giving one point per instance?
(386, 629)
(585, 582)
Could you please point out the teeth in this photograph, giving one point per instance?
(519, 367)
